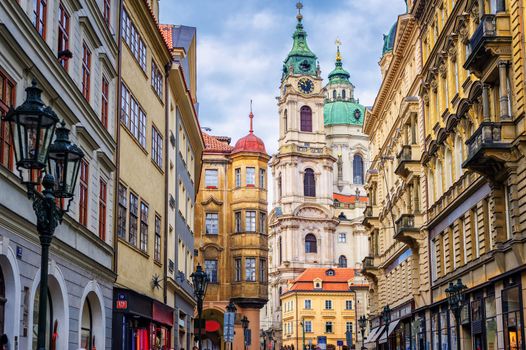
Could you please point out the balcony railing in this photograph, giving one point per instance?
(487, 28)
(405, 222)
(405, 157)
(488, 134)
(368, 262)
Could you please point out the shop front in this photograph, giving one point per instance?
(140, 323)
(490, 320)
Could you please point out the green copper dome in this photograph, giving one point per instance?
(389, 40)
(339, 75)
(300, 60)
(343, 112)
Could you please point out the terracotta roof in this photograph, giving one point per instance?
(336, 283)
(214, 145)
(348, 199)
(166, 31)
(250, 143)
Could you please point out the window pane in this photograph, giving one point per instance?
(251, 176)
(250, 269)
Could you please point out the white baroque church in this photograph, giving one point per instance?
(318, 176)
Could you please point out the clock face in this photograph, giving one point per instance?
(306, 86)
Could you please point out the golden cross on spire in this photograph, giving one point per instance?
(299, 6)
(338, 43)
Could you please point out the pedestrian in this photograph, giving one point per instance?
(4, 342)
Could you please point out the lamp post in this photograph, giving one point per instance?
(32, 127)
(362, 321)
(386, 317)
(200, 281)
(244, 324)
(456, 298)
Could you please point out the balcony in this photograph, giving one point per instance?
(370, 217)
(406, 163)
(490, 148)
(491, 39)
(369, 270)
(407, 230)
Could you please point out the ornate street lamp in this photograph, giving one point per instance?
(362, 322)
(456, 297)
(200, 281)
(386, 317)
(32, 126)
(244, 324)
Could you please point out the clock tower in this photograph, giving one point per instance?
(301, 224)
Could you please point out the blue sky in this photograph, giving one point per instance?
(242, 45)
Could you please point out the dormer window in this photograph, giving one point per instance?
(318, 283)
(330, 272)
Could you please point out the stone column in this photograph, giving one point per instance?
(481, 8)
(485, 102)
(504, 98)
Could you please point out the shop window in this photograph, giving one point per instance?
(86, 328)
(490, 322)
(49, 319)
(511, 314)
(477, 317)
(3, 301)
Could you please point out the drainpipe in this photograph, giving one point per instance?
(167, 69)
(118, 141)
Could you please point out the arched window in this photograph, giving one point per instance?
(334, 94)
(3, 301)
(342, 261)
(306, 119)
(459, 156)
(280, 251)
(309, 183)
(431, 187)
(343, 94)
(279, 187)
(49, 317)
(358, 169)
(310, 244)
(285, 120)
(86, 327)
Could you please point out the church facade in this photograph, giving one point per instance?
(318, 175)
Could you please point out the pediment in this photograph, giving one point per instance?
(210, 200)
(311, 212)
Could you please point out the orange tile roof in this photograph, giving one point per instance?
(336, 283)
(213, 145)
(166, 31)
(348, 199)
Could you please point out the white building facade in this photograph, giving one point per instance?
(318, 176)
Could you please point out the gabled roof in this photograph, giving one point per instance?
(338, 282)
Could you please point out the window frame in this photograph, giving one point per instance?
(306, 119)
(83, 192)
(262, 178)
(238, 269)
(237, 177)
(250, 269)
(157, 147)
(133, 116)
(6, 145)
(250, 221)
(156, 80)
(105, 97)
(143, 230)
(63, 33)
(328, 305)
(106, 12)
(157, 241)
(86, 71)
(309, 183)
(40, 17)
(311, 245)
(133, 214)
(213, 277)
(209, 175)
(122, 210)
(207, 218)
(250, 176)
(102, 208)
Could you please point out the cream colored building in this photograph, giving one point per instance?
(461, 63)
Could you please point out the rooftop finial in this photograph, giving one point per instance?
(338, 44)
(299, 6)
(251, 116)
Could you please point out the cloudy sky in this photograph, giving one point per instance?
(242, 45)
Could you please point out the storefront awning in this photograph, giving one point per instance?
(373, 335)
(392, 327)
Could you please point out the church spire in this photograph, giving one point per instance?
(339, 75)
(300, 60)
(251, 116)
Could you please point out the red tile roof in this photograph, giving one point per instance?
(166, 31)
(348, 199)
(337, 283)
(215, 145)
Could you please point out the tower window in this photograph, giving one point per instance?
(309, 183)
(358, 169)
(311, 245)
(306, 119)
(343, 94)
(334, 94)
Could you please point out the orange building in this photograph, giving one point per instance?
(231, 234)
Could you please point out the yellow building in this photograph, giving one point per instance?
(231, 234)
(468, 90)
(321, 303)
(140, 311)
